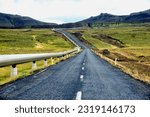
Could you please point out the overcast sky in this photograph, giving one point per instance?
(64, 11)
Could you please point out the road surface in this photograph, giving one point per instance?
(84, 76)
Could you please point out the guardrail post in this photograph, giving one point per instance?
(78, 49)
(67, 56)
(115, 61)
(34, 65)
(63, 57)
(58, 59)
(52, 61)
(45, 62)
(14, 71)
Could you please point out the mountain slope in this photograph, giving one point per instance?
(16, 21)
(138, 17)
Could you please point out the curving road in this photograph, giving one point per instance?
(84, 76)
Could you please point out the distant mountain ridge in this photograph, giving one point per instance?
(138, 17)
(16, 21)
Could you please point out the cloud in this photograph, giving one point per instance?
(69, 9)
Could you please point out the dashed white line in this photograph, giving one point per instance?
(82, 68)
(79, 95)
(81, 78)
(83, 63)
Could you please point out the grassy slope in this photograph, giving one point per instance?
(137, 43)
(29, 41)
(87, 35)
(135, 39)
(97, 43)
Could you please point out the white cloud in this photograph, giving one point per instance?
(53, 9)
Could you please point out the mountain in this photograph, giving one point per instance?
(16, 21)
(139, 17)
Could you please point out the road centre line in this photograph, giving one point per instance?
(81, 77)
(79, 95)
(82, 68)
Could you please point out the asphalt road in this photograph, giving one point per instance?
(84, 76)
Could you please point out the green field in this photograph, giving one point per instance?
(32, 41)
(135, 39)
(97, 43)
(21, 41)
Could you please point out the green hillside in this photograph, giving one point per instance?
(32, 41)
(21, 41)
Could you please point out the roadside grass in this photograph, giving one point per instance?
(134, 56)
(97, 43)
(26, 69)
(23, 70)
(87, 35)
(22, 41)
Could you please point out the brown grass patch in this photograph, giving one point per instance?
(137, 66)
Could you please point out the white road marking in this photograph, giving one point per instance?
(79, 95)
(35, 75)
(83, 63)
(81, 78)
(82, 68)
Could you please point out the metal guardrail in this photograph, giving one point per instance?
(13, 60)
(6, 60)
